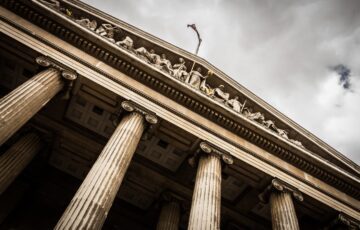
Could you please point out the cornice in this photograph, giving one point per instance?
(191, 100)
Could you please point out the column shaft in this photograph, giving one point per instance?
(283, 211)
(13, 161)
(22, 103)
(169, 216)
(89, 207)
(206, 201)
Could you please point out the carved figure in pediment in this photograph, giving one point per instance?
(179, 70)
(155, 59)
(143, 53)
(195, 78)
(220, 95)
(257, 116)
(204, 87)
(283, 133)
(235, 104)
(107, 31)
(269, 124)
(166, 64)
(126, 43)
(87, 23)
(298, 143)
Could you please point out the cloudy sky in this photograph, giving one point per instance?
(302, 57)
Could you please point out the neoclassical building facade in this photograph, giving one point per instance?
(104, 126)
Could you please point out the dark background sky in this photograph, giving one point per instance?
(302, 57)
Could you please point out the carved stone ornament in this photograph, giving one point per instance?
(130, 106)
(206, 148)
(277, 185)
(43, 61)
(68, 75)
(193, 78)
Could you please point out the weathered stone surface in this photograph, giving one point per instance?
(169, 216)
(206, 201)
(89, 207)
(22, 103)
(13, 161)
(283, 211)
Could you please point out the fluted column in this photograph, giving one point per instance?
(25, 101)
(16, 158)
(89, 207)
(283, 215)
(22, 103)
(169, 216)
(206, 200)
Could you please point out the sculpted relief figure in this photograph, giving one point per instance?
(195, 78)
(143, 54)
(283, 133)
(126, 43)
(106, 30)
(253, 116)
(166, 64)
(220, 95)
(269, 124)
(179, 70)
(155, 58)
(298, 143)
(87, 23)
(205, 88)
(235, 104)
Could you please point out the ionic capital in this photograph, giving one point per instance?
(277, 185)
(207, 148)
(130, 106)
(67, 74)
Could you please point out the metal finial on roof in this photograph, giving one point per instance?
(193, 26)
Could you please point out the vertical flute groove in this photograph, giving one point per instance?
(22, 103)
(283, 211)
(169, 216)
(16, 158)
(89, 207)
(205, 207)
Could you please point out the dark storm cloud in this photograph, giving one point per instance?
(344, 75)
(279, 49)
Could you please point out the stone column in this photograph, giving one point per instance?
(343, 221)
(89, 207)
(14, 160)
(206, 200)
(283, 215)
(169, 216)
(25, 101)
